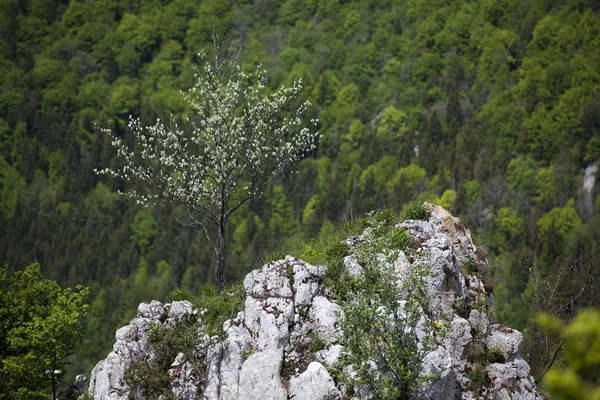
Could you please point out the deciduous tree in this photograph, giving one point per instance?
(40, 323)
(237, 139)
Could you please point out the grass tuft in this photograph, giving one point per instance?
(215, 309)
(414, 210)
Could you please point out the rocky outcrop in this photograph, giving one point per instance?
(131, 345)
(458, 286)
(286, 340)
(586, 202)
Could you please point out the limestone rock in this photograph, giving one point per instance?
(352, 265)
(504, 339)
(179, 309)
(260, 376)
(313, 384)
(106, 381)
(326, 317)
(184, 384)
(289, 333)
(330, 355)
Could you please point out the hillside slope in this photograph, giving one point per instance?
(490, 108)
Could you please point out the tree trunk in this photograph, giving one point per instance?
(221, 245)
(220, 256)
(53, 376)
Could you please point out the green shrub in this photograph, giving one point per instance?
(276, 255)
(217, 308)
(481, 356)
(384, 216)
(398, 239)
(156, 333)
(380, 321)
(150, 379)
(475, 351)
(335, 273)
(316, 343)
(316, 251)
(180, 294)
(414, 210)
(329, 250)
(494, 355)
(334, 255)
(470, 267)
(478, 378)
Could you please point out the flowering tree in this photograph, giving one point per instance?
(235, 142)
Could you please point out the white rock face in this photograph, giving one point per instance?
(260, 377)
(184, 385)
(266, 350)
(106, 381)
(180, 309)
(586, 205)
(330, 355)
(314, 383)
(589, 178)
(326, 316)
(505, 340)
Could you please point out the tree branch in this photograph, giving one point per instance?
(553, 358)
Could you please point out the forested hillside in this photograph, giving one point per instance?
(490, 109)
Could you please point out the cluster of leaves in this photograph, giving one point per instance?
(40, 325)
(414, 210)
(326, 248)
(215, 308)
(330, 246)
(480, 356)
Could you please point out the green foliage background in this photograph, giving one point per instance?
(491, 109)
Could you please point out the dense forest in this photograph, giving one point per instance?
(490, 109)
